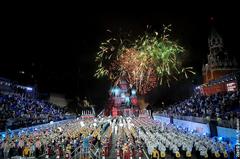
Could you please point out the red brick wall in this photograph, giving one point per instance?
(215, 74)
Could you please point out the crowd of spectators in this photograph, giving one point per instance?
(18, 111)
(221, 105)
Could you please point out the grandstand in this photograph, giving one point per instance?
(21, 108)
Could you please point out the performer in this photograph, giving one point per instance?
(140, 153)
(26, 151)
(126, 151)
(20, 146)
(58, 152)
(33, 149)
(177, 155)
(188, 154)
(203, 154)
(155, 153)
(103, 154)
(118, 153)
(225, 154)
(48, 151)
(68, 151)
(217, 154)
(163, 154)
(86, 145)
(38, 145)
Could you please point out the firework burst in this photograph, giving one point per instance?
(145, 62)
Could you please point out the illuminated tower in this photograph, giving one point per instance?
(219, 62)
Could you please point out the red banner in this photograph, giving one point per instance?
(220, 87)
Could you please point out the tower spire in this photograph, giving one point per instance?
(215, 45)
(219, 62)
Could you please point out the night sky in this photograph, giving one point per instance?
(59, 56)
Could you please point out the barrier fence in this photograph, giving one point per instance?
(205, 120)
